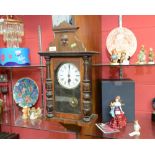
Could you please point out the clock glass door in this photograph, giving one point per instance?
(67, 88)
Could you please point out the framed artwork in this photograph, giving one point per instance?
(57, 19)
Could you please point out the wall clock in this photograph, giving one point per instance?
(68, 85)
(68, 77)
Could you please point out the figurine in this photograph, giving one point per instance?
(142, 56)
(151, 56)
(137, 128)
(26, 112)
(38, 112)
(35, 113)
(114, 57)
(118, 117)
(124, 58)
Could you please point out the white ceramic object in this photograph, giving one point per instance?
(122, 39)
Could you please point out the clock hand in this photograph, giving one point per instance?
(69, 80)
(68, 69)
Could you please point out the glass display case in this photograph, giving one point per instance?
(11, 116)
(10, 109)
(11, 113)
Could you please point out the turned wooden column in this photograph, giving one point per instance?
(49, 94)
(87, 103)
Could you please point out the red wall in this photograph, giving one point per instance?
(142, 26)
(144, 29)
(30, 39)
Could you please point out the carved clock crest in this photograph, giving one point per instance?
(66, 39)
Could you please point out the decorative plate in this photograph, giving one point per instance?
(25, 92)
(122, 39)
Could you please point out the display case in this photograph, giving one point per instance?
(140, 74)
(11, 116)
(12, 74)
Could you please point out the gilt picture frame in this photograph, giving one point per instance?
(58, 19)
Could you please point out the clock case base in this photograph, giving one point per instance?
(79, 126)
(80, 122)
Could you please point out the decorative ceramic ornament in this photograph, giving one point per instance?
(142, 56)
(151, 56)
(25, 92)
(137, 128)
(25, 112)
(121, 39)
(118, 117)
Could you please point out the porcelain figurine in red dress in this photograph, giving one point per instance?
(118, 117)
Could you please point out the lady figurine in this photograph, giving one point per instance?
(142, 56)
(151, 56)
(118, 117)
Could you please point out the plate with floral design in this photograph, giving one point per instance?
(25, 92)
(121, 39)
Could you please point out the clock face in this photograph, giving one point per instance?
(68, 76)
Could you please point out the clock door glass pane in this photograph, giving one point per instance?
(67, 95)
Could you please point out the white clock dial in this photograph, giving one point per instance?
(68, 76)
